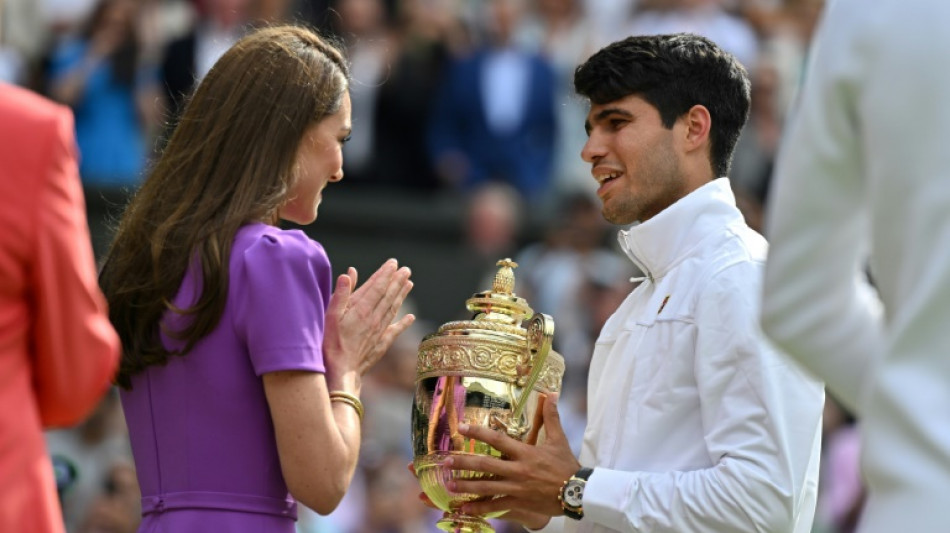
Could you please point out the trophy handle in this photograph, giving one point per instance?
(540, 337)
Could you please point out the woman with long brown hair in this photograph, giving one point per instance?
(241, 372)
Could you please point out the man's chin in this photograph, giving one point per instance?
(617, 218)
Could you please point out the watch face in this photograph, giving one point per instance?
(574, 493)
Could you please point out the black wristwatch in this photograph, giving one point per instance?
(572, 494)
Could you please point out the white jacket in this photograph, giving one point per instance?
(865, 167)
(695, 424)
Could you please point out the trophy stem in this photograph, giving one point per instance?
(457, 522)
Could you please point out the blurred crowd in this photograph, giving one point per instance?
(461, 98)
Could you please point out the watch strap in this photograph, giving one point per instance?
(575, 513)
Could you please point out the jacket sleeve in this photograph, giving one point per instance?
(761, 417)
(817, 305)
(75, 348)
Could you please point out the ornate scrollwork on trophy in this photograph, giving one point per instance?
(493, 360)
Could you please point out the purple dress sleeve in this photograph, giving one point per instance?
(282, 305)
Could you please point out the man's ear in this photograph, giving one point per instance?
(698, 125)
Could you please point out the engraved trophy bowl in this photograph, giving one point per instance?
(492, 371)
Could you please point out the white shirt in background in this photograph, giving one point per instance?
(864, 175)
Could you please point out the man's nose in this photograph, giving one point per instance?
(593, 149)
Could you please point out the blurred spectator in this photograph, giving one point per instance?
(841, 490)
(110, 82)
(92, 449)
(314, 13)
(609, 18)
(20, 39)
(492, 223)
(427, 31)
(362, 27)
(107, 74)
(494, 118)
(563, 34)
(271, 11)
(22, 28)
(491, 227)
(188, 58)
(702, 17)
(57, 349)
(753, 211)
(785, 43)
(61, 14)
(117, 507)
(12, 64)
(758, 143)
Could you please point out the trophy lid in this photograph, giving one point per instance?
(494, 343)
(496, 311)
(500, 304)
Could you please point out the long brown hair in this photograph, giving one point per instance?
(229, 162)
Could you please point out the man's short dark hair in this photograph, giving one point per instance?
(673, 73)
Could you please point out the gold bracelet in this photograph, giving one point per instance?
(348, 399)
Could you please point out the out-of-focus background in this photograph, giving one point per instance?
(465, 150)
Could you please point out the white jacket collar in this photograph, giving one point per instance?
(659, 244)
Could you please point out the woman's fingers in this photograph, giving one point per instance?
(394, 330)
(374, 288)
(373, 299)
(396, 293)
(367, 313)
(340, 298)
(378, 313)
(354, 277)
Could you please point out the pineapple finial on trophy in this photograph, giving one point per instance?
(505, 277)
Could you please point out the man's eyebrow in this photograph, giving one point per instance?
(606, 112)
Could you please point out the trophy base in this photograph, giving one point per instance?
(456, 522)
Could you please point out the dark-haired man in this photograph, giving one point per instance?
(695, 422)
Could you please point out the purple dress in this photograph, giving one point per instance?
(201, 432)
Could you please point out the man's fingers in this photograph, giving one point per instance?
(552, 419)
(503, 503)
(493, 487)
(497, 439)
(479, 463)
